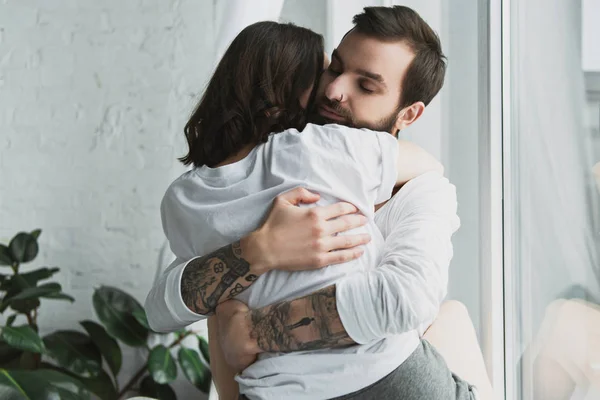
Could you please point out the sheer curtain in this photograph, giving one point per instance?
(234, 15)
(553, 241)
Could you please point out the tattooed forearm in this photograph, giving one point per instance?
(308, 323)
(214, 278)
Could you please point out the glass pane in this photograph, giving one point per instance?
(552, 210)
(460, 145)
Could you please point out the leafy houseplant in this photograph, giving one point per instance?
(71, 364)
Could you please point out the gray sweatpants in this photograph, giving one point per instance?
(423, 376)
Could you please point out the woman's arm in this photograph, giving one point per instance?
(222, 374)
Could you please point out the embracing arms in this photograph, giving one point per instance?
(404, 291)
(223, 274)
(204, 282)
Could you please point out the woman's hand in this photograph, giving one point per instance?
(300, 238)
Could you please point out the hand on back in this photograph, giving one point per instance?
(296, 238)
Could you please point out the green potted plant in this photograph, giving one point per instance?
(76, 364)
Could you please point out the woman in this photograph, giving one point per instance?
(263, 85)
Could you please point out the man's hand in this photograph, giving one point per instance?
(239, 349)
(299, 238)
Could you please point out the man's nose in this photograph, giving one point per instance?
(336, 90)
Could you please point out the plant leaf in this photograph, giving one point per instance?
(23, 247)
(5, 256)
(40, 384)
(74, 351)
(115, 309)
(38, 291)
(33, 277)
(203, 344)
(36, 233)
(59, 296)
(28, 360)
(8, 354)
(13, 287)
(101, 385)
(140, 316)
(106, 344)
(11, 320)
(161, 365)
(194, 369)
(152, 389)
(18, 385)
(67, 387)
(23, 338)
(23, 306)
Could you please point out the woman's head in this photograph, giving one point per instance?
(257, 88)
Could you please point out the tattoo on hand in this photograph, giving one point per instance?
(277, 329)
(205, 280)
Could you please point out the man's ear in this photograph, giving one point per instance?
(408, 115)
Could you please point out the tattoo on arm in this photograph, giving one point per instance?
(206, 281)
(308, 323)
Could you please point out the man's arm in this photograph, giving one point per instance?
(221, 275)
(405, 290)
(308, 323)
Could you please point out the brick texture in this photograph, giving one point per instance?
(93, 99)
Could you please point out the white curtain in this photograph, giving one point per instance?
(555, 242)
(235, 15)
(552, 160)
(554, 237)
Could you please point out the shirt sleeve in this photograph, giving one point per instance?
(408, 286)
(164, 305)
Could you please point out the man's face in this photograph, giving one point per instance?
(362, 85)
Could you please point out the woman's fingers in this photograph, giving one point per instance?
(343, 242)
(297, 196)
(340, 256)
(335, 210)
(344, 223)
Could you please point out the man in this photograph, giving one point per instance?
(383, 74)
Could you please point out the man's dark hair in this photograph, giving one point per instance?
(254, 91)
(425, 75)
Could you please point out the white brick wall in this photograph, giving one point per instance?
(93, 99)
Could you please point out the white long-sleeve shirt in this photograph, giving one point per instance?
(207, 208)
(406, 289)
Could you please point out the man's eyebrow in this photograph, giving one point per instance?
(371, 75)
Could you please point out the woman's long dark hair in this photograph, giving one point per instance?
(254, 91)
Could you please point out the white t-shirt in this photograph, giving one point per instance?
(206, 209)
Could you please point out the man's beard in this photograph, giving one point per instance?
(385, 124)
